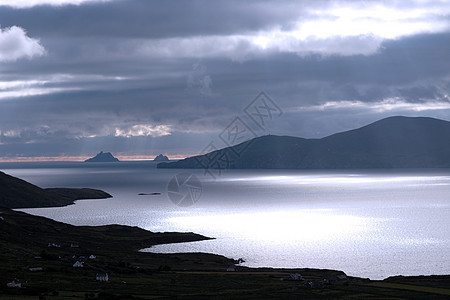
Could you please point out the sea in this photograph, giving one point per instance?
(367, 223)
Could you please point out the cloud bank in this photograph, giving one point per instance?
(143, 77)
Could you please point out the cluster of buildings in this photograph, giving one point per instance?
(79, 263)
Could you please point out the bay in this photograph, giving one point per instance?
(366, 223)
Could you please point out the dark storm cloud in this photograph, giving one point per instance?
(107, 103)
(143, 77)
(150, 18)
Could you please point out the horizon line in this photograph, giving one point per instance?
(82, 158)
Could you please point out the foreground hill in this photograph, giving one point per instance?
(17, 193)
(395, 142)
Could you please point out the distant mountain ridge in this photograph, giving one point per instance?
(394, 142)
(102, 157)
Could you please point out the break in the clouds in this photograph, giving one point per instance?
(140, 77)
(15, 44)
(143, 130)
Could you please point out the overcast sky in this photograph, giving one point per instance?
(143, 77)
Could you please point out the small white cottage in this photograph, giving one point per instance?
(14, 284)
(102, 277)
(78, 264)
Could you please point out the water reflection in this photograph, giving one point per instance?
(277, 227)
(339, 179)
(369, 224)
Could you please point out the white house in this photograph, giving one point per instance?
(78, 264)
(14, 284)
(102, 277)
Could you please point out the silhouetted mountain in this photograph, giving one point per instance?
(17, 193)
(161, 158)
(102, 157)
(395, 142)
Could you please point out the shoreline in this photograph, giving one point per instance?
(31, 243)
(115, 250)
(292, 268)
(205, 238)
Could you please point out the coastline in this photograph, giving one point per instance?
(37, 243)
(116, 249)
(18, 193)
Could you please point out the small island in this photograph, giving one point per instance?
(102, 157)
(161, 158)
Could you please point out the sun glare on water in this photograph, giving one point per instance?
(277, 227)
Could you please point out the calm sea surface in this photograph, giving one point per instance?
(371, 224)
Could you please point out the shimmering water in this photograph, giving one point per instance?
(367, 223)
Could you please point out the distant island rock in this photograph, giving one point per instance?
(17, 193)
(394, 142)
(161, 158)
(102, 157)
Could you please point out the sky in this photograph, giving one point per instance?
(143, 77)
